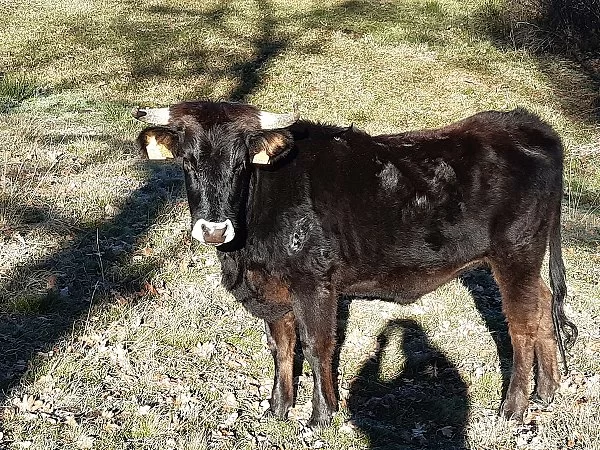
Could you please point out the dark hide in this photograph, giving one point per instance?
(339, 212)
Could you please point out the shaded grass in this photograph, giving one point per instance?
(545, 31)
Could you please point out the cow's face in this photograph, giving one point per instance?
(218, 143)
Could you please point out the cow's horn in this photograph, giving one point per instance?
(270, 121)
(156, 116)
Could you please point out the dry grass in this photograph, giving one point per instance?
(114, 332)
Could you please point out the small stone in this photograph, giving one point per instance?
(230, 401)
(347, 428)
(264, 405)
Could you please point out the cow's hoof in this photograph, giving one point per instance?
(510, 410)
(544, 392)
(319, 421)
(279, 406)
(544, 401)
(278, 412)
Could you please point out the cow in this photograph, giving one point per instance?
(303, 213)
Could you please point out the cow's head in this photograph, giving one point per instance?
(218, 143)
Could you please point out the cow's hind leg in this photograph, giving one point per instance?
(281, 338)
(548, 375)
(527, 307)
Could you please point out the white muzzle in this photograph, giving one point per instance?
(213, 233)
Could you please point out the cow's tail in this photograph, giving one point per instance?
(564, 330)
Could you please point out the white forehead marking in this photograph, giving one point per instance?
(157, 116)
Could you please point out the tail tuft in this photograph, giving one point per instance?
(565, 330)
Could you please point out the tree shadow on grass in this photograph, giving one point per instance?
(148, 56)
(483, 288)
(211, 44)
(571, 70)
(424, 406)
(95, 265)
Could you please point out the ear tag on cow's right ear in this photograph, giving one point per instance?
(261, 158)
(157, 150)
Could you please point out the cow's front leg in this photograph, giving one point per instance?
(281, 338)
(316, 317)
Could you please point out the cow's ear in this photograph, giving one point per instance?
(159, 143)
(269, 146)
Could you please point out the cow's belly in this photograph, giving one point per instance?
(402, 285)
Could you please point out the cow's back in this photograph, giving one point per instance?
(394, 206)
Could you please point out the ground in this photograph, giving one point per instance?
(114, 330)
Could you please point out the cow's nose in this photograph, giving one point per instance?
(213, 235)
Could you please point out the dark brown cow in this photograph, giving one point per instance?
(302, 213)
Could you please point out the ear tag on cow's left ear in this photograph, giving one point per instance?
(157, 150)
(261, 158)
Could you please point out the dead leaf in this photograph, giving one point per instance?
(593, 345)
(112, 427)
(46, 379)
(111, 211)
(85, 442)
(348, 428)
(119, 298)
(231, 418)
(204, 349)
(148, 289)
(51, 282)
(37, 404)
(70, 421)
(24, 404)
(19, 238)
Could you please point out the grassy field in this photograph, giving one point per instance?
(114, 330)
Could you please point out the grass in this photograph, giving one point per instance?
(14, 88)
(114, 330)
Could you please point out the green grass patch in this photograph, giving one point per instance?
(16, 87)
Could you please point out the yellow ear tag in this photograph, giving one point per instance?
(156, 150)
(261, 158)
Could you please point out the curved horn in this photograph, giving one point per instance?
(270, 121)
(156, 116)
